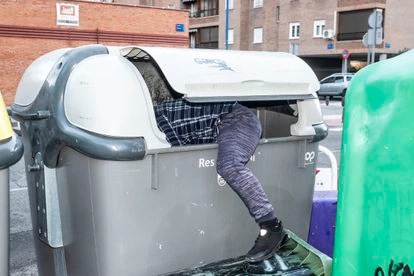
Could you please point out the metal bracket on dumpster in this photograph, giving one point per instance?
(48, 210)
(154, 172)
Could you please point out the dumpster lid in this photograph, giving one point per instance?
(219, 75)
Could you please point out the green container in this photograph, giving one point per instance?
(295, 258)
(375, 219)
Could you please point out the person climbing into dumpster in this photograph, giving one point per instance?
(237, 130)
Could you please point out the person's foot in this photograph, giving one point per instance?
(268, 242)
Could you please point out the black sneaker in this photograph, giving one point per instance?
(268, 242)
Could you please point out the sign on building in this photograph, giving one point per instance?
(67, 14)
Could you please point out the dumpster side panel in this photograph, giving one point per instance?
(4, 222)
(374, 234)
(169, 211)
(47, 257)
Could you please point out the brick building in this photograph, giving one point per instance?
(204, 23)
(28, 29)
(317, 31)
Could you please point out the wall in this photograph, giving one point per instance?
(32, 31)
(399, 25)
(344, 3)
(305, 12)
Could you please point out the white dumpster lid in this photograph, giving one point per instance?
(219, 75)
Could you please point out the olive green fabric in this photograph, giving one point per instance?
(375, 218)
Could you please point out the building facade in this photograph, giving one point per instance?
(34, 30)
(317, 30)
(204, 23)
(252, 25)
(170, 4)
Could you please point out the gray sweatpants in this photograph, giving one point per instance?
(238, 136)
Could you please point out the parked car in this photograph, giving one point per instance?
(335, 85)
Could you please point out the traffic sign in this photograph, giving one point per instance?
(375, 19)
(345, 54)
(365, 40)
(373, 37)
(378, 36)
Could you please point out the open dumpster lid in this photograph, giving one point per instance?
(218, 75)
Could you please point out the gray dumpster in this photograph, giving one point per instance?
(110, 196)
(11, 150)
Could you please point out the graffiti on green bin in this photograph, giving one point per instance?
(395, 269)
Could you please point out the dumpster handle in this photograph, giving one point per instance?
(39, 115)
(45, 119)
(334, 165)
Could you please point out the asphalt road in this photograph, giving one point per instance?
(22, 255)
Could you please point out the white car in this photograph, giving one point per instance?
(335, 85)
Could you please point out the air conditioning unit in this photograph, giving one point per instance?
(328, 34)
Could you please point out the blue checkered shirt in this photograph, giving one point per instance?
(190, 123)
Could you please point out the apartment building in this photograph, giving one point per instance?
(252, 25)
(204, 23)
(317, 30)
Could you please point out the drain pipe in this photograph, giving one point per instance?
(227, 24)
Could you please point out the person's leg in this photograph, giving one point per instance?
(239, 134)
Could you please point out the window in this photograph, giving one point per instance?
(294, 30)
(352, 25)
(230, 38)
(205, 8)
(294, 48)
(277, 13)
(258, 35)
(207, 38)
(318, 27)
(339, 79)
(231, 4)
(349, 78)
(257, 3)
(328, 80)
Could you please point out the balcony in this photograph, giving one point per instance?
(204, 13)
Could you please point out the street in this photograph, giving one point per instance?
(22, 255)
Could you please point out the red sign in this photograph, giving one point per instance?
(67, 10)
(345, 54)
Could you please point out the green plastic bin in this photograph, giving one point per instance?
(295, 258)
(375, 219)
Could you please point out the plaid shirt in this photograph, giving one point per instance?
(190, 123)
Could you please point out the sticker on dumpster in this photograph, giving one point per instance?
(309, 157)
(215, 63)
(205, 163)
(220, 181)
(394, 269)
